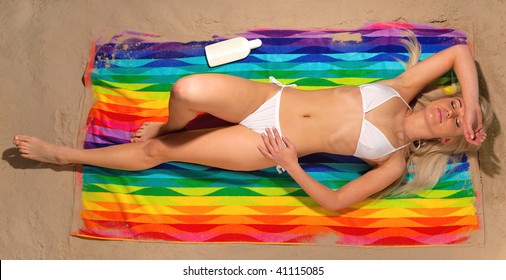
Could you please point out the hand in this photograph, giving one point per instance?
(279, 149)
(473, 127)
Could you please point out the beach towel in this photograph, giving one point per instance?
(130, 77)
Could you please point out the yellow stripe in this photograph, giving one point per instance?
(200, 191)
(143, 95)
(197, 200)
(234, 210)
(262, 201)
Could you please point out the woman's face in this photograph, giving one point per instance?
(445, 117)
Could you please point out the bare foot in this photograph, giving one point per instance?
(33, 148)
(148, 131)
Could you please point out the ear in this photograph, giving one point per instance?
(445, 140)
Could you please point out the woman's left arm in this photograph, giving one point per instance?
(283, 152)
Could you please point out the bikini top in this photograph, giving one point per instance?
(372, 143)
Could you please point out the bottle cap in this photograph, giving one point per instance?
(253, 44)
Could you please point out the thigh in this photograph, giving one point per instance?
(227, 97)
(232, 148)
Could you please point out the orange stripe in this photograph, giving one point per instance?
(137, 111)
(277, 220)
(127, 101)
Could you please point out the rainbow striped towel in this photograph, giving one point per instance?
(131, 78)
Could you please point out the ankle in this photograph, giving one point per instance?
(61, 155)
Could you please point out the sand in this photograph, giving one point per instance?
(43, 52)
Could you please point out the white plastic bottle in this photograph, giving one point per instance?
(230, 50)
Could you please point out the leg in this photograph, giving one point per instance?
(226, 97)
(232, 148)
(110, 157)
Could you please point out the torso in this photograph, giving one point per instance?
(330, 120)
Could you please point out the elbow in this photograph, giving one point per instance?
(458, 49)
(461, 50)
(334, 207)
(334, 203)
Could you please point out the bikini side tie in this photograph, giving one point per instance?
(273, 80)
(276, 82)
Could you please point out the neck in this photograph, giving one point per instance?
(415, 127)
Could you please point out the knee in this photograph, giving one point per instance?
(154, 152)
(188, 89)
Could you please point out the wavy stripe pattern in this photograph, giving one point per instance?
(131, 78)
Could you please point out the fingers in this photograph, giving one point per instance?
(271, 139)
(277, 137)
(267, 139)
(478, 136)
(288, 143)
(274, 142)
(270, 143)
(471, 137)
(469, 133)
(274, 138)
(264, 152)
(473, 126)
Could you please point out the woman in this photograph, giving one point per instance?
(276, 124)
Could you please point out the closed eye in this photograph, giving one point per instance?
(457, 120)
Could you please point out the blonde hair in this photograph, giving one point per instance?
(427, 160)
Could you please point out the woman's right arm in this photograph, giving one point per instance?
(458, 58)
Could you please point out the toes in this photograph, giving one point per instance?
(142, 127)
(139, 132)
(136, 136)
(136, 139)
(25, 143)
(22, 138)
(24, 148)
(18, 139)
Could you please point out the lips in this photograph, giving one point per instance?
(440, 115)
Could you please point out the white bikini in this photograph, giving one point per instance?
(372, 143)
(267, 115)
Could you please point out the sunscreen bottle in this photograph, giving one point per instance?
(230, 50)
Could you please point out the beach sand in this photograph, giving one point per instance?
(44, 49)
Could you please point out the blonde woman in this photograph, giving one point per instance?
(276, 124)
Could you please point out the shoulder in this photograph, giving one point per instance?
(392, 165)
(381, 176)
